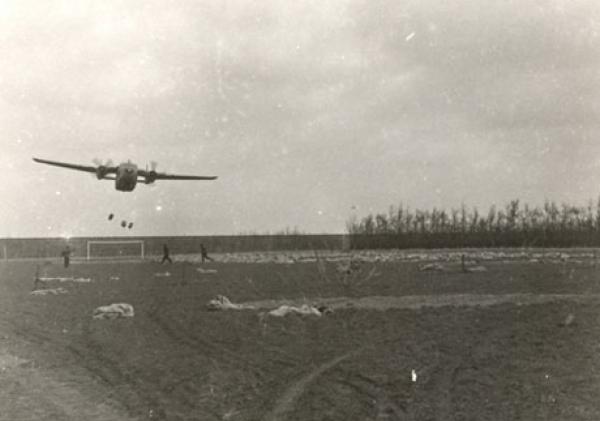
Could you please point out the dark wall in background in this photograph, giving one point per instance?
(15, 248)
(417, 240)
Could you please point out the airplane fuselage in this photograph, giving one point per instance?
(126, 177)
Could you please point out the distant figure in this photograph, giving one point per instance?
(130, 225)
(111, 216)
(204, 254)
(66, 254)
(123, 223)
(165, 254)
(38, 281)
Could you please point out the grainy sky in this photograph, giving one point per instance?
(308, 111)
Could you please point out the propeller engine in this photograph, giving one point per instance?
(102, 169)
(151, 175)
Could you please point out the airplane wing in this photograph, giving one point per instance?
(85, 168)
(184, 177)
(164, 176)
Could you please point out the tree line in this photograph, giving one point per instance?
(513, 225)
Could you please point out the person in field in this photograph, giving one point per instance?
(204, 254)
(66, 254)
(166, 255)
(37, 282)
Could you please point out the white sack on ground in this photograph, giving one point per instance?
(162, 274)
(303, 309)
(221, 302)
(114, 311)
(68, 279)
(49, 291)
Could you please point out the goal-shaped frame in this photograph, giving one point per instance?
(126, 243)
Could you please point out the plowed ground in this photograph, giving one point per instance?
(520, 341)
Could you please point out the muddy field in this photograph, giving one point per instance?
(519, 339)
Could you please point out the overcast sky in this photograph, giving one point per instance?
(308, 111)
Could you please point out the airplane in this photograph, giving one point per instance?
(126, 174)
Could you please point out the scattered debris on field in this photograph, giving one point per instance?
(201, 270)
(434, 267)
(471, 257)
(229, 414)
(8, 361)
(113, 311)
(569, 320)
(221, 302)
(547, 398)
(113, 278)
(157, 414)
(413, 375)
(162, 274)
(439, 267)
(347, 268)
(49, 291)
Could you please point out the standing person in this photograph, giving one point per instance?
(205, 254)
(66, 254)
(165, 254)
(38, 281)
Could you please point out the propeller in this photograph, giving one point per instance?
(151, 177)
(98, 162)
(101, 169)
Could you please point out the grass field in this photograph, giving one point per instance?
(518, 341)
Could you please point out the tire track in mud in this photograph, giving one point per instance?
(189, 390)
(185, 389)
(47, 398)
(437, 388)
(215, 348)
(446, 370)
(385, 405)
(441, 378)
(176, 331)
(287, 400)
(102, 368)
(437, 380)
